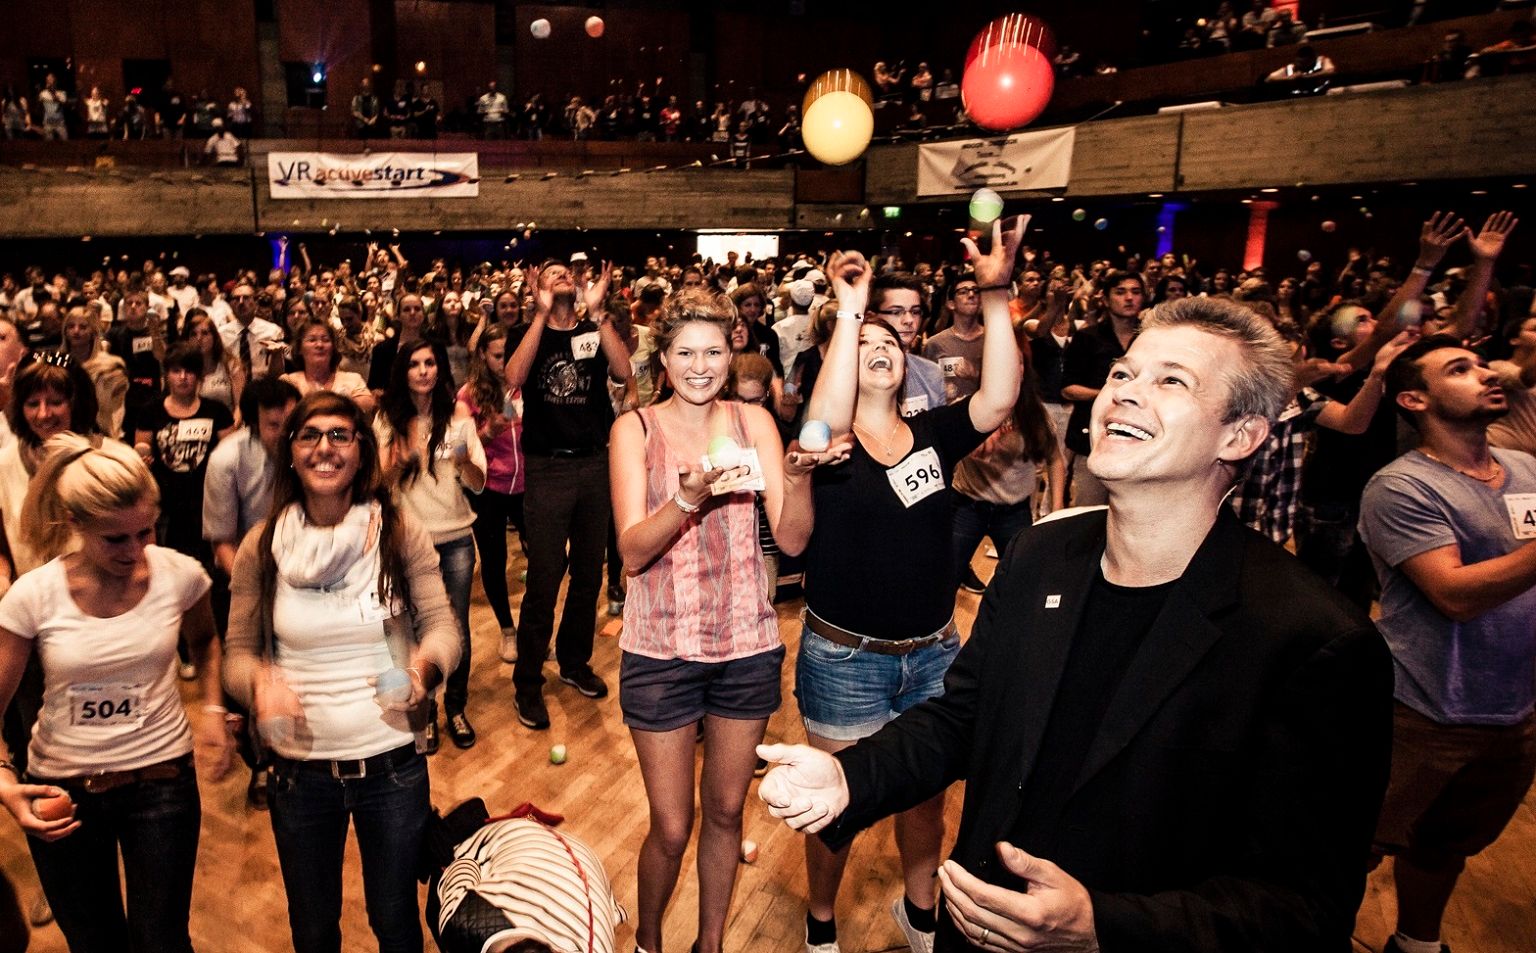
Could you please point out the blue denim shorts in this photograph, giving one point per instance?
(846, 694)
(666, 694)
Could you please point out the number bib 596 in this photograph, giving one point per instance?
(917, 477)
(106, 704)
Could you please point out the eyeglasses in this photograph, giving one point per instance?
(336, 436)
(916, 312)
(968, 290)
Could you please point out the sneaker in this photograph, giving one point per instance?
(187, 671)
(1392, 946)
(822, 947)
(972, 582)
(509, 644)
(919, 941)
(615, 600)
(586, 682)
(461, 731)
(531, 710)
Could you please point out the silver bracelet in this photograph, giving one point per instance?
(683, 504)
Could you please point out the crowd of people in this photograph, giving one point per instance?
(277, 484)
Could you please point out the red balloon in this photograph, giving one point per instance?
(1015, 28)
(1007, 86)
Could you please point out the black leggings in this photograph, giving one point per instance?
(492, 513)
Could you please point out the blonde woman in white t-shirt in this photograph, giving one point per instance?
(110, 765)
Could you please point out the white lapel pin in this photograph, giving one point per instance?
(1053, 602)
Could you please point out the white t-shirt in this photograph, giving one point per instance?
(110, 701)
(329, 643)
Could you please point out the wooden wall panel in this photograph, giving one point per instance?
(53, 203)
(692, 199)
(1469, 129)
(337, 33)
(457, 41)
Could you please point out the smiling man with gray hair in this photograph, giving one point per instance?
(1173, 735)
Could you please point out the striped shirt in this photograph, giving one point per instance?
(705, 599)
(519, 878)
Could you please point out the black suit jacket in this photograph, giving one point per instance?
(1229, 798)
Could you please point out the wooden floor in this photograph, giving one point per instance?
(239, 906)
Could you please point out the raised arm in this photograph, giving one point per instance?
(1001, 370)
(520, 363)
(1356, 416)
(1486, 246)
(1436, 235)
(837, 388)
(614, 348)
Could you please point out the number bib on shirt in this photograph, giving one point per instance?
(913, 406)
(195, 430)
(950, 366)
(1522, 514)
(106, 705)
(140, 345)
(584, 346)
(917, 477)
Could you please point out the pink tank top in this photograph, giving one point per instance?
(705, 599)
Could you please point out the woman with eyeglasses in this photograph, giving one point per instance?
(339, 629)
(863, 661)
(109, 769)
(430, 456)
(701, 639)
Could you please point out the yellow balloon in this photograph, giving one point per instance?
(837, 127)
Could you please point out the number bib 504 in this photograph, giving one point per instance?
(106, 705)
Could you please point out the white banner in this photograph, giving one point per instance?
(378, 175)
(1024, 160)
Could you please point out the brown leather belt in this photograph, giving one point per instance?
(865, 643)
(104, 781)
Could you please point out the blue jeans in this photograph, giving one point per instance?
(456, 561)
(310, 812)
(846, 694)
(974, 519)
(155, 826)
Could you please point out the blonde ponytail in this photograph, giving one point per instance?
(81, 481)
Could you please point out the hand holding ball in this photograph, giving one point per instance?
(724, 453)
(815, 436)
(55, 808)
(392, 687)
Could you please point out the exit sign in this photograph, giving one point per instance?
(891, 211)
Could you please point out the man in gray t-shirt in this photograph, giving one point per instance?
(1449, 527)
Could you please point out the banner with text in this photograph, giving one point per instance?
(378, 175)
(1024, 160)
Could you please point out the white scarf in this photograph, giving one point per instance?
(320, 557)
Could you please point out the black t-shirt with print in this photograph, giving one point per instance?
(179, 450)
(565, 399)
(875, 565)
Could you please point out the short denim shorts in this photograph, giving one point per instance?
(665, 694)
(846, 694)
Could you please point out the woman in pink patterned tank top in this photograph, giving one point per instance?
(701, 638)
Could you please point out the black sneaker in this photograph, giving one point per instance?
(433, 737)
(531, 710)
(586, 682)
(972, 582)
(461, 731)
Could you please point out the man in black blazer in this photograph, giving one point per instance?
(1174, 736)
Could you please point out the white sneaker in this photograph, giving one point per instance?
(509, 644)
(187, 671)
(919, 941)
(822, 947)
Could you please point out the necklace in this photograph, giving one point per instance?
(884, 444)
(1496, 474)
